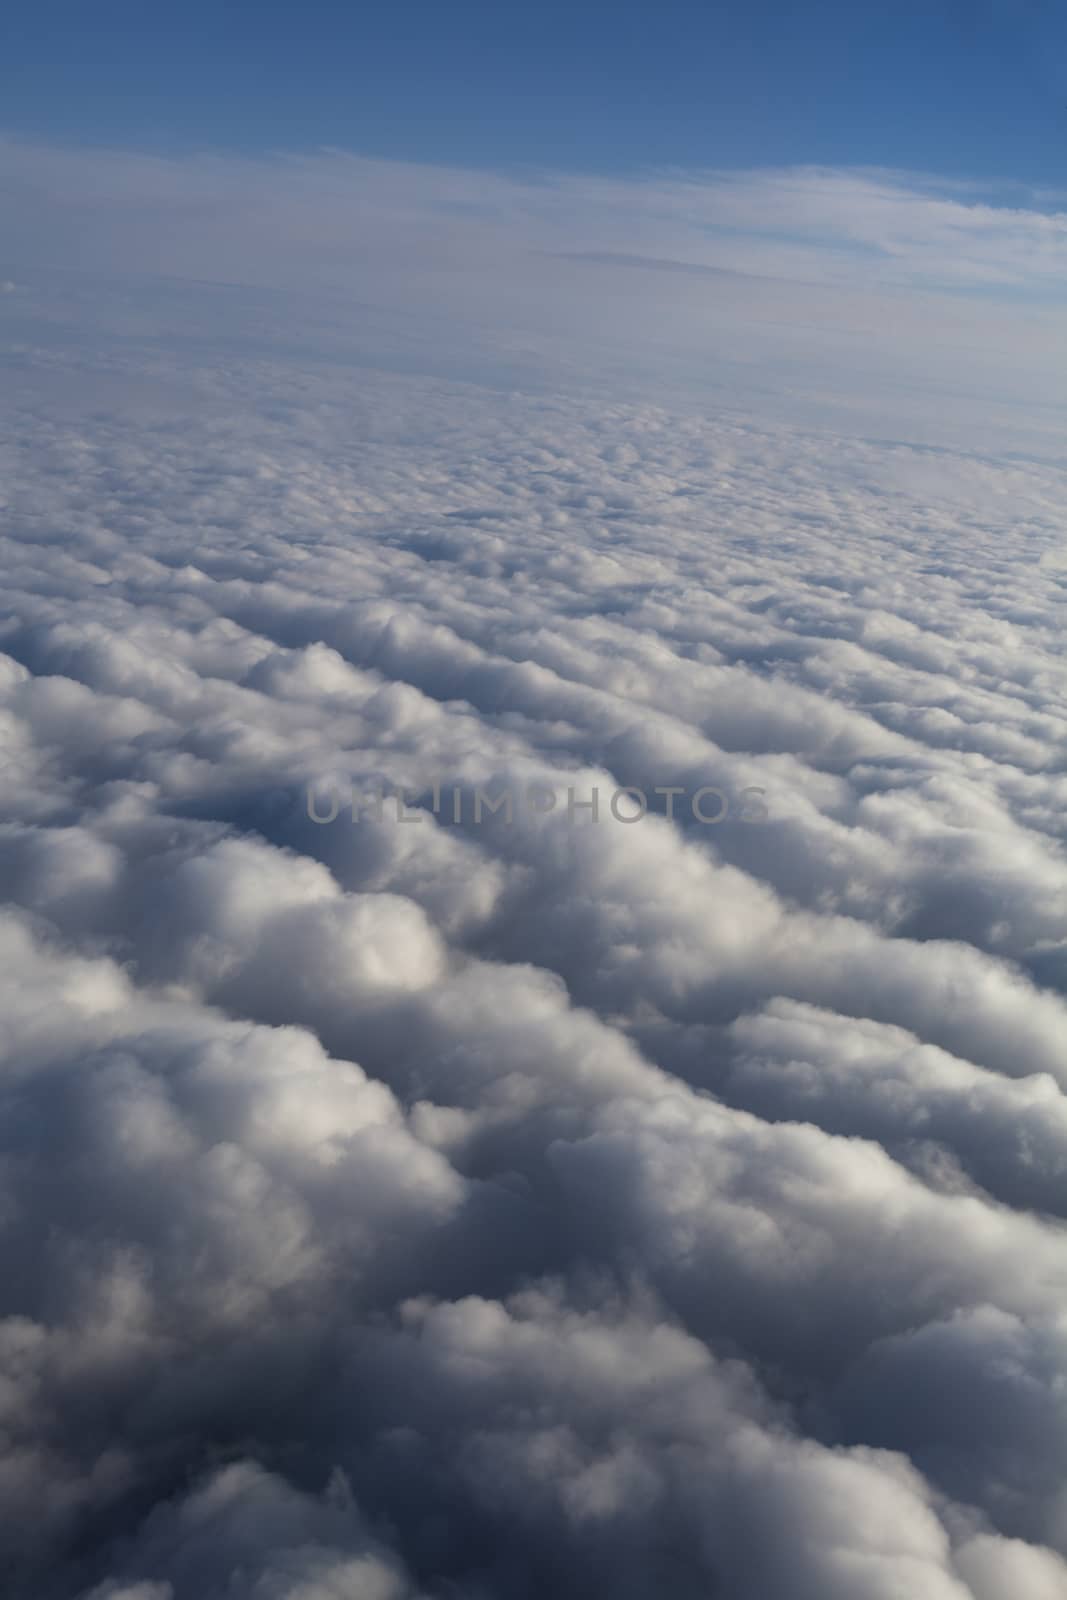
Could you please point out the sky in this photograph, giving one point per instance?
(961, 88)
(810, 210)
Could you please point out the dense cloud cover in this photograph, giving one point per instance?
(495, 1207)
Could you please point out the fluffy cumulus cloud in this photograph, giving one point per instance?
(428, 1172)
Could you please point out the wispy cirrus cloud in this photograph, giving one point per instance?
(829, 280)
(822, 223)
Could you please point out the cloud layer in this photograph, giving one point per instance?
(508, 1206)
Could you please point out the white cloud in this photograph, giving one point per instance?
(478, 1207)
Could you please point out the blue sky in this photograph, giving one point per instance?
(818, 207)
(961, 88)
